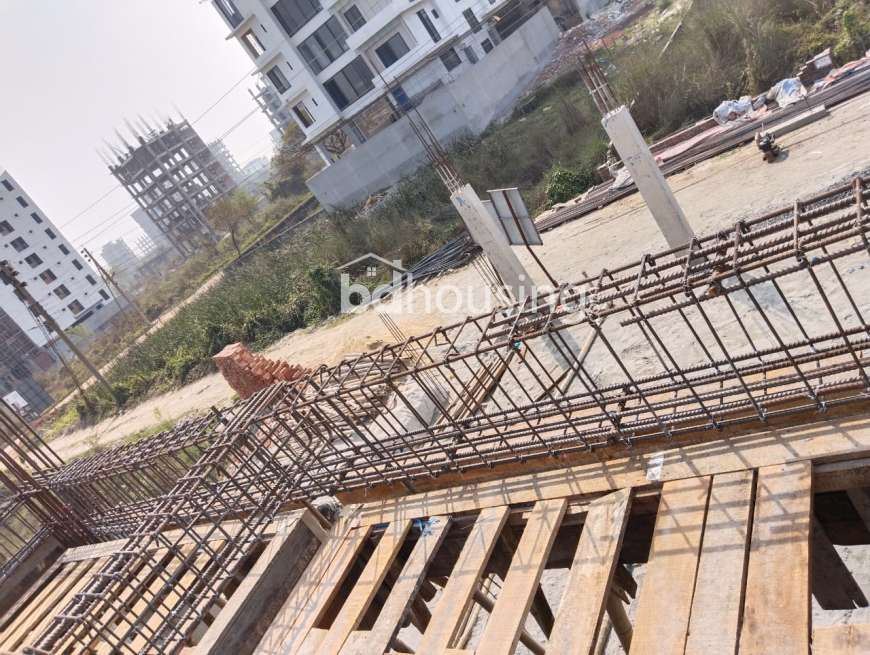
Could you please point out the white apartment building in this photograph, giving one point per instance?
(56, 275)
(331, 61)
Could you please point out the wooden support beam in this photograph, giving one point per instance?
(399, 601)
(357, 603)
(776, 612)
(315, 590)
(718, 600)
(665, 598)
(458, 594)
(514, 601)
(619, 621)
(587, 590)
(277, 570)
(833, 586)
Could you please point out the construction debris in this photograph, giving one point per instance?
(247, 372)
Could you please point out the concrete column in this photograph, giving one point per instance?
(488, 234)
(650, 181)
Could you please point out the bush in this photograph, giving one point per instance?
(565, 183)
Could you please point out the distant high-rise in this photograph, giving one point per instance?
(225, 157)
(174, 176)
(55, 275)
(119, 256)
(149, 227)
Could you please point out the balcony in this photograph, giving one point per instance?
(387, 12)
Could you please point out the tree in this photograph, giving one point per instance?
(225, 216)
(288, 166)
(246, 206)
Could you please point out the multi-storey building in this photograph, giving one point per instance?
(174, 176)
(119, 256)
(331, 60)
(345, 70)
(270, 103)
(225, 157)
(55, 275)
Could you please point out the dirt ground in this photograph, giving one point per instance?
(713, 194)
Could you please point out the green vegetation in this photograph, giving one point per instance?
(549, 147)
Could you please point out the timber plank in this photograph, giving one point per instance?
(515, 599)
(42, 605)
(841, 640)
(808, 441)
(315, 590)
(582, 606)
(357, 603)
(464, 580)
(665, 597)
(388, 623)
(714, 626)
(776, 613)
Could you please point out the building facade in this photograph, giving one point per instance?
(225, 157)
(345, 69)
(154, 234)
(174, 177)
(56, 275)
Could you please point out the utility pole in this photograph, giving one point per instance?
(109, 281)
(10, 276)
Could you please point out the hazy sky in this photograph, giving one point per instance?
(73, 70)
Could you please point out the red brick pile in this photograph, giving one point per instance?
(248, 372)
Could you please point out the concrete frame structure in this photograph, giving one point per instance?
(225, 157)
(174, 176)
(648, 177)
(154, 234)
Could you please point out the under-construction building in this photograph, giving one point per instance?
(174, 176)
(691, 480)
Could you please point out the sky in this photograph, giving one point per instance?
(74, 70)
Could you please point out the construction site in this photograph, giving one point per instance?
(667, 452)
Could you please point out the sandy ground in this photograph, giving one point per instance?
(713, 194)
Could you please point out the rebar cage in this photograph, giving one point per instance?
(761, 320)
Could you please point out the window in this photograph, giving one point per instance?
(350, 83)
(36, 217)
(77, 264)
(19, 244)
(47, 276)
(228, 9)
(324, 46)
(61, 291)
(33, 260)
(8, 185)
(293, 14)
(473, 23)
(391, 50)
(103, 294)
(76, 307)
(277, 78)
(22, 201)
(50, 233)
(253, 44)
(427, 23)
(303, 115)
(486, 44)
(63, 249)
(5, 228)
(450, 59)
(91, 280)
(354, 18)
(470, 54)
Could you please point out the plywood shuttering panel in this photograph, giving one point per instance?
(776, 613)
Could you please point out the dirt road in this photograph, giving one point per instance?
(713, 194)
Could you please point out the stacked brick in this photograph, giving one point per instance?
(248, 372)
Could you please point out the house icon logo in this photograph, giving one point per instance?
(359, 275)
